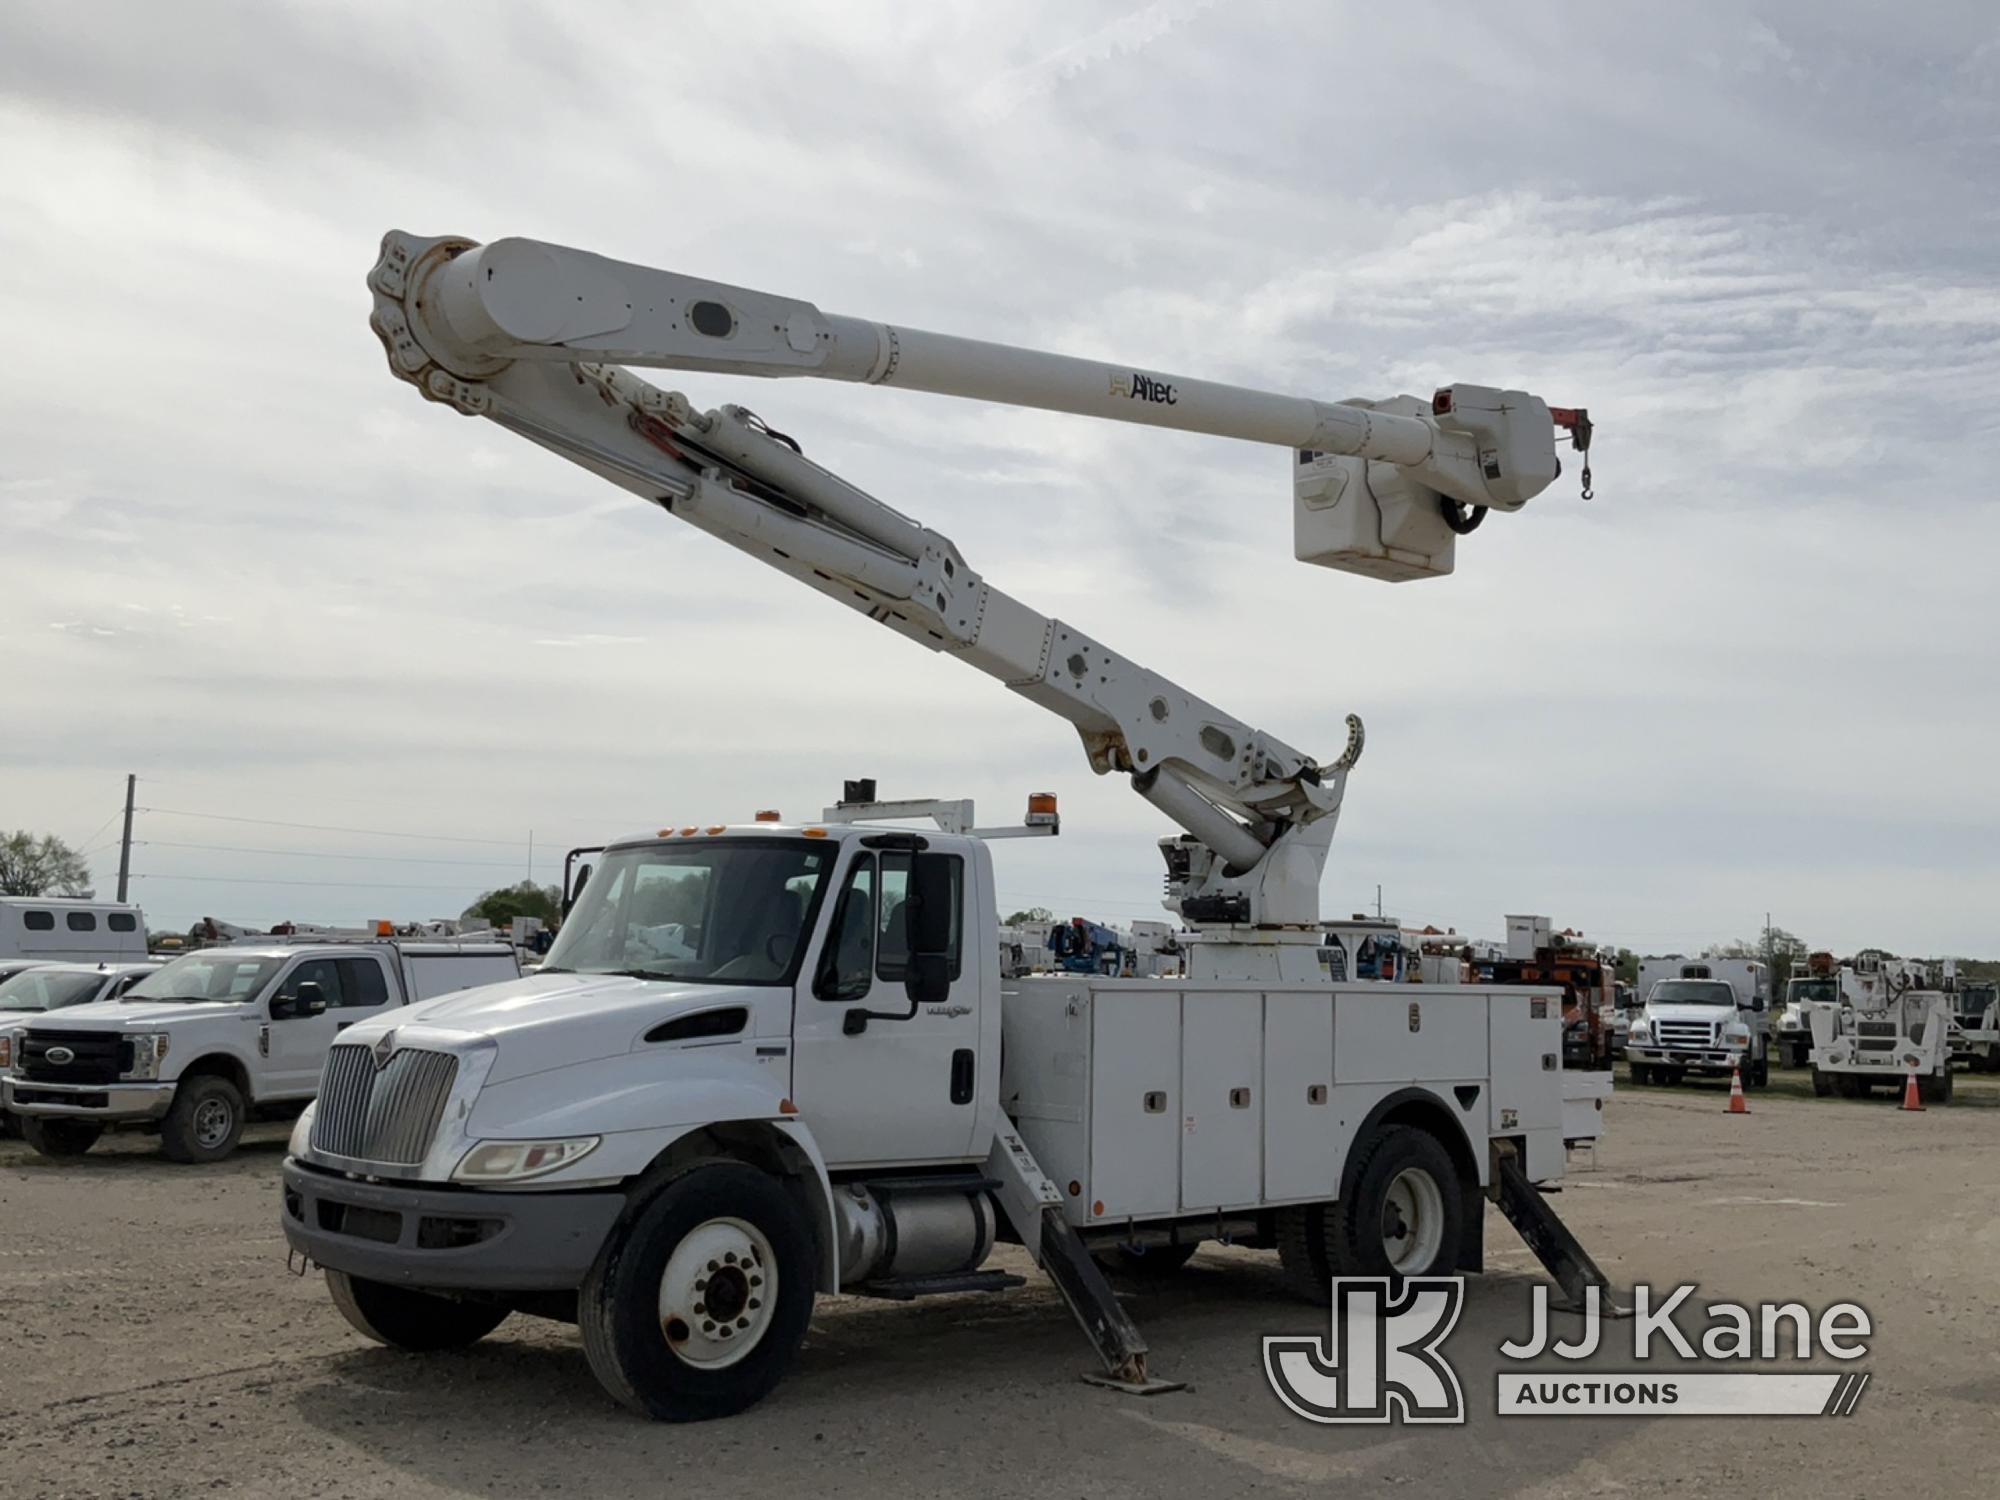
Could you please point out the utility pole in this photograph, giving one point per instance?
(1378, 902)
(531, 856)
(125, 844)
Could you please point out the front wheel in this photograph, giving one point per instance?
(1822, 1085)
(59, 1139)
(1642, 1074)
(1935, 1088)
(205, 1122)
(700, 1298)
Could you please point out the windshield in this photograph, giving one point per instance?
(1812, 989)
(216, 976)
(49, 989)
(1692, 992)
(1972, 998)
(723, 912)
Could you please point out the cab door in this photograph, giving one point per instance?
(297, 1044)
(878, 1091)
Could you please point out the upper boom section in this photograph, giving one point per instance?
(476, 305)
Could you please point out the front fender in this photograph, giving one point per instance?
(650, 1107)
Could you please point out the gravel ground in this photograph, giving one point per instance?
(152, 1344)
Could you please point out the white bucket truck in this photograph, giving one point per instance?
(1893, 1018)
(1975, 1039)
(204, 1044)
(765, 1063)
(1702, 1017)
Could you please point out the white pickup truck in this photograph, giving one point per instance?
(767, 1062)
(207, 1042)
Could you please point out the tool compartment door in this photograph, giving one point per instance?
(1222, 1065)
(1299, 1145)
(1527, 1091)
(1135, 1103)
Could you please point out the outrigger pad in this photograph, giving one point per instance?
(1145, 1385)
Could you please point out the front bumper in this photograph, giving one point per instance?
(107, 1103)
(447, 1238)
(1693, 1059)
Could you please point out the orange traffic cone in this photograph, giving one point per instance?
(1911, 1098)
(1737, 1104)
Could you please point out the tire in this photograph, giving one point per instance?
(1935, 1089)
(1401, 1214)
(205, 1122)
(1822, 1084)
(728, 1227)
(1155, 1263)
(410, 1320)
(59, 1139)
(1642, 1073)
(1760, 1073)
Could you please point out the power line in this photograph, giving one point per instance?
(393, 859)
(387, 833)
(355, 885)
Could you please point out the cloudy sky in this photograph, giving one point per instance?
(360, 650)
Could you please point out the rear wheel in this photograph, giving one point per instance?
(1760, 1073)
(1935, 1089)
(411, 1320)
(205, 1122)
(59, 1139)
(1822, 1085)
(1401, 1215)
(1641, 1073)
(700, 1298)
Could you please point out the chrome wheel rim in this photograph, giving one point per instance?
(212, 1120)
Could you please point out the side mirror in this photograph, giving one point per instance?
(576, 890)
(932, 904)
(307, 1000)
(1757, 1002)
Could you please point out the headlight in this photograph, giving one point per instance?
(148, 1048)
(511, 1161)
(302, 1132)
(1642, 1031)
(6, 1050)
(1736, 1036)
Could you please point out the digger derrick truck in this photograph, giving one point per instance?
(766, 1062)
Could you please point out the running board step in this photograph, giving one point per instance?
(1544, 1232)
(909, 1288)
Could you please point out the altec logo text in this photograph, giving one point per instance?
(1383, 1362)
(1136, 387)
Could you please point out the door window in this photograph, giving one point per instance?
(321, 971)
(849, 958)
(363, 986)
(892, 948)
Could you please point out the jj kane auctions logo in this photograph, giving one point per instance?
(1382, 1359)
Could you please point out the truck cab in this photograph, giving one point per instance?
(1705, 1018)
(198, 1047)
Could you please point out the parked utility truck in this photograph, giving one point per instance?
(1975, 1039)
(1892, 1020)
(197, 1048)
(765, 1062)
(1702, 1017)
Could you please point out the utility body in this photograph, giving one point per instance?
(767, 1062)
(1705, 1017)
(201, 1045)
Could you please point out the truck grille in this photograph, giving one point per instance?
(1686, 1033)
(93, 1056)
(386, 1114)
